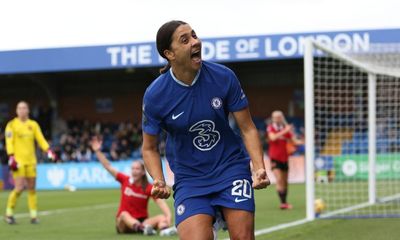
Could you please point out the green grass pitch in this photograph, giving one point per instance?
(90, 214)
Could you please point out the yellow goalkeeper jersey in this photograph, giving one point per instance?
(20, 140)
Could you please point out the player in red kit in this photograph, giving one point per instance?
(279, 134)
(132, 216)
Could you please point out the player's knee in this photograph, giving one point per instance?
(18, 190)
(195, 234)
(191, 236)
(162, 224)
(280, 186)
(242, 235)
(241, 232)
(163, 218)
(123, 215)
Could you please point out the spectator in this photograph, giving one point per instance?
(83, 154)
(121, 140)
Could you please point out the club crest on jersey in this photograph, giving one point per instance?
(9, 134)
(216, 103)
(180, 209)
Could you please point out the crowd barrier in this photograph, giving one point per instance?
(92, 175)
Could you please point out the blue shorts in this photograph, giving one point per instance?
(237, 194)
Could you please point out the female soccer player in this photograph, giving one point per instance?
(132, 216)
(279, 133)
(191, 101)
(21, 133)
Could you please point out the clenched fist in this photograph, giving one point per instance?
(260, 179)
(160, 189)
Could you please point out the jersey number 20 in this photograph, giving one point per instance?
(241, 188)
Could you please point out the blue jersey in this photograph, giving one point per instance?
(202, 149)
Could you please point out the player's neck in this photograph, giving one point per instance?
(137, 182)
(23, 119)
(184, 75)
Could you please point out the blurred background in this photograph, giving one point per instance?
(83, 67)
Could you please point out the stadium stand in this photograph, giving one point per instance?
(121, 140)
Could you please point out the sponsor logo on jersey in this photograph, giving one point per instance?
(243, 95)
(238, 200)
(8, 134)
(207, 137)
(216, 103)
(174, 117)
(130, 193)
(144, 118)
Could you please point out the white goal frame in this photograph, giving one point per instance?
(310, 49)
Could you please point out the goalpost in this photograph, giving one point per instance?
(352, 103)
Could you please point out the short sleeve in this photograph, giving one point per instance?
(121, 177)
(150, 119)
(270, 129)
(236, 99)
(289, 135)
(148, 189)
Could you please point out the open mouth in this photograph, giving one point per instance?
(196, 55)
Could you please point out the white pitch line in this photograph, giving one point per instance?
(389, 198)
(359, 206)
(278, 227)
(347, 209)
(65, 210)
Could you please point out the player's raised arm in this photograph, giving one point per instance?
(253, 146)
(152, 161)
(96, 146)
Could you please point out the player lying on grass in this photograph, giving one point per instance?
(132, 216)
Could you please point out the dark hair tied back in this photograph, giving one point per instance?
(164, 39)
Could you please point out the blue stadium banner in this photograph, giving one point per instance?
(79, 175)
(233, 49)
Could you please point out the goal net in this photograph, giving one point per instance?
(353, 131)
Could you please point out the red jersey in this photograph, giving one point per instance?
(277, 148)
(133, 199)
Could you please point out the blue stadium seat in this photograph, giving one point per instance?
(324, 163)
(360, 136)
(382, 146)
(260, 123)
(348, 147)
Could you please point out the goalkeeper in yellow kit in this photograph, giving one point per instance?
(21, 133)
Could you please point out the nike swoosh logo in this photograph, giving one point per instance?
(238, 200)
(175, 117)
